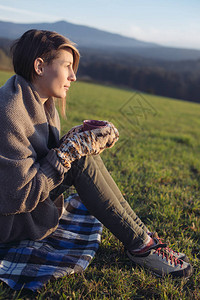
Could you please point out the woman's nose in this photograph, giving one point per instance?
(72, 76)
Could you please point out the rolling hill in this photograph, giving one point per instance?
(93, 38)
(117, 60)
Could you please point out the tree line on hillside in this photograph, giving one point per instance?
(174, 79)
(151, 80)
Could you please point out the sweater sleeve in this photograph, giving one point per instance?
(25, 178)
(25, 181)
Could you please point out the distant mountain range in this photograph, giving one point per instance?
(91, 38)
(114, 59)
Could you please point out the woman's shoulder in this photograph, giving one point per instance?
(10, 91)
(14, 109)
(8, 86)
(10, 97)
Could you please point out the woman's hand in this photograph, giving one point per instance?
(77, 144)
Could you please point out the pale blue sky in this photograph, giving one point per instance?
(173, 23)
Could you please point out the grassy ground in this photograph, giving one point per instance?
(156, 164)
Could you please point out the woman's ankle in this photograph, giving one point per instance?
(148, 243)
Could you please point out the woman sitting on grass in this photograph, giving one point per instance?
(36, 167)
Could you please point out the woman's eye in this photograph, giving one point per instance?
(67, 65)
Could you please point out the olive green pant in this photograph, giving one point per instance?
(103, 199)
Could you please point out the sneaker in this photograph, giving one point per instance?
(161, 262)
(178, 255)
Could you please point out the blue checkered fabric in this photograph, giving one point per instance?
(70, 249)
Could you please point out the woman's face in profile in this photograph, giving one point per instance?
(55, 78)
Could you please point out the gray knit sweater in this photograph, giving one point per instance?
(29, 170)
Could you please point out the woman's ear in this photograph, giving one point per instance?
(39, 66)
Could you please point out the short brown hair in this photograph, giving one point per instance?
(39, 43)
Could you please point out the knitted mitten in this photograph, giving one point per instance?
(77, 144)
(71, 132)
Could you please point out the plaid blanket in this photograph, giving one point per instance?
(70, 249)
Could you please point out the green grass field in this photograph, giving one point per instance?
(156, 164)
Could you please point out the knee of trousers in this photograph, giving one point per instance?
(83, 163)
(77, 168)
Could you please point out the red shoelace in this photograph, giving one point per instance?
(169, 257)
(154, 234)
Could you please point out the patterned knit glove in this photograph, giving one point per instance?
(78, 144)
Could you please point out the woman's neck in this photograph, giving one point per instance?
(39, 90)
